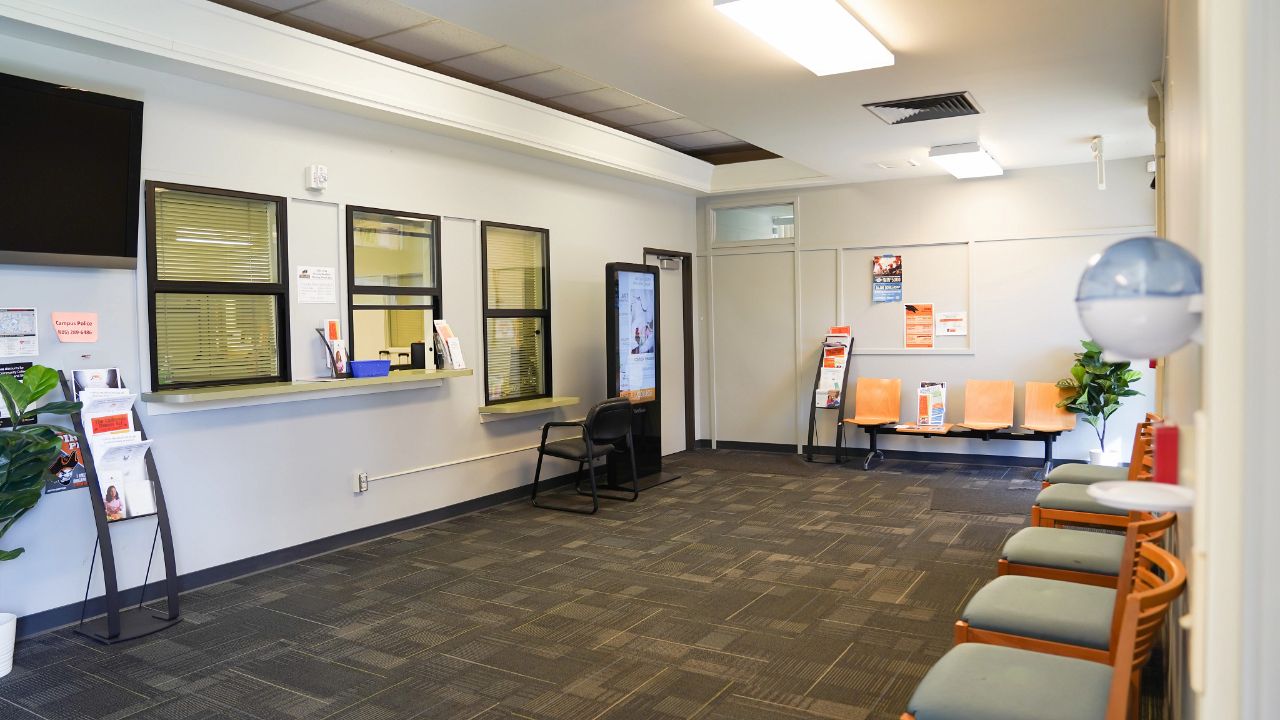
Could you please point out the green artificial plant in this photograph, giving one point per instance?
(27, 451)
(1098, 388)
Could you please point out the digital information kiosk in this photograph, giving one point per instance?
(635, 366)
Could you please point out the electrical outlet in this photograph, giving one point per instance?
(362, 483)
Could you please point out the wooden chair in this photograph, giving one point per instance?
(988, 405)
(876, 402)
(1041, 414)
(990, 682)
(1078, 621)
(1139, 466)
(1070, 504)
(1078, 556)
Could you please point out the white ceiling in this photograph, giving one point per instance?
(1048, 74)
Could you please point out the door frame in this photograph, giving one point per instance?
(686, 272)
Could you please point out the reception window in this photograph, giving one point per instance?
(517, 312)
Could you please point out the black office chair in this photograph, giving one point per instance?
(606, 424)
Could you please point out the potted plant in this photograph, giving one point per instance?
(26, 453)
(1097, 389)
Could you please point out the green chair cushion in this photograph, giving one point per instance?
(1081, 474)
(1054, 610)
(1067, 496)
(1091, 552)
(986, 682)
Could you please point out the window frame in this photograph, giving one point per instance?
(278, 289)
(544, 313)
(436, 292)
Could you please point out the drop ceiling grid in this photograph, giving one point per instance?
(408, 35)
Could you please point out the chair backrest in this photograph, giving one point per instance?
(1150, 573)
(876, 397)
(609, 420)
(1162, 578)
(988, 401)
(1040, 406)
(1142, 459)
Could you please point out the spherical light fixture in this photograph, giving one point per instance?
(1141, 298)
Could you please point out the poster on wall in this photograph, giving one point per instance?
(918, 325)
(952, 323)
(16, 371)
(886, 278)
(317, 285)
(637, 338)
(18, 335)
(835, 353)
(932, 409)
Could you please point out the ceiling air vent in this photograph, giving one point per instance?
(931, 107)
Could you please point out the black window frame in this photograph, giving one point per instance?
(278, 289)
(545, 313)
(436, 293)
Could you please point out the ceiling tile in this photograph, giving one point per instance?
(438, 41)
(261, 9)
(362, 18)
(598, 100)
(315, 28)
(711, 138)
(667, 128)
(646, 113)
(560, 81)
(501, 63)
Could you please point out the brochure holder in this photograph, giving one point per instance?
(839, 408)
(119, 624)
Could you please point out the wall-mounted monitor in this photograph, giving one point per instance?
(70, 165)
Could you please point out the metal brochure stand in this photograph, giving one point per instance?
(120, 624)
(813, 408)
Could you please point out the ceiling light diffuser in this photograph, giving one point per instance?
(966, 160)
(819, 34)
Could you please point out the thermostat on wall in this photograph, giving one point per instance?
(317, 177)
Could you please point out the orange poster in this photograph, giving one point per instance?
(919, 325)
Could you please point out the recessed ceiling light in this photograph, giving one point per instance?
(819, 34)
(966, 160)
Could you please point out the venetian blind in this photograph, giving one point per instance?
(206, 336)
(515, 273)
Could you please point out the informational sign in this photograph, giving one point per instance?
(932, 409)
(886, 278)
(317, 285)
(918, 325)
(76, 327)
(952, 323)
(637, 337)
(16, 371)
(18, 334)
(835, 354)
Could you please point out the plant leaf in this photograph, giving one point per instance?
(11, 554)
(11, 391)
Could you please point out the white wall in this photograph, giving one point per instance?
(241, 482)
(1009, 250)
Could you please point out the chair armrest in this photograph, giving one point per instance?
(546, 427)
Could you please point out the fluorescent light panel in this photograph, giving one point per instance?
(966, 160)
(819, 34)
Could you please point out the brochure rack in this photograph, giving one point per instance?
(813, 407)
(119, 624)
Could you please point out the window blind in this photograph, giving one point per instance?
(203, 338)
(514, 367)
(215, 238)
(515, 268)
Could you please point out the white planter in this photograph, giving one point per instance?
(8, 634)
(1109, 458)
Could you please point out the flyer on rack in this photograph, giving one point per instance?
(932, 404)
(835, 354)
(18, 334)
(886, 278)
(918, 325)
(97, 379)
(67, 471)
(637, 340)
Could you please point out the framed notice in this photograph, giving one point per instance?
(918, 325)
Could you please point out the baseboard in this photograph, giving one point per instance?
(858, 452)
(58, 617)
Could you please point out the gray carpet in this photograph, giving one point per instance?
(826, 593)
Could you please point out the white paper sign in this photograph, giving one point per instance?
(18, 336)
(952, 323)
(317, 285)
